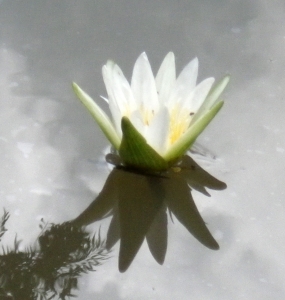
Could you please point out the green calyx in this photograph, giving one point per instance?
(136, 153)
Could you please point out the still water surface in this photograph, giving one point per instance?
(52, 153)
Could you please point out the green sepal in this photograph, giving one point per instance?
(99, 115)
(136, 153)
(212, 98)
(189, 137)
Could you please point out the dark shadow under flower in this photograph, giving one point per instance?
(139, 202)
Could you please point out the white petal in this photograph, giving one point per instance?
(122, 89)
(216, 92)
(115, 109)
(166, 77)
(143, 84)
(104, 98)
(118, 88)
(158, 130)
(107, 77)
(137, 120)
(185, 83)
(198, 96)
(116, 116)
(212, 97)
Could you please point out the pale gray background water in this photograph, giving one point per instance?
(50, 146)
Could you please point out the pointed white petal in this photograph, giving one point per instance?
(185, 83)
(216, 92)
(110, 72)
(137, 120)
(99, 115)
(212, 98)
(107, 77)
(166, 77)
(197, 97)
(115, 109)
(116, 116)
(158, 131)
(189, 74)
(143, 84)
(122, 90)
(104, 98)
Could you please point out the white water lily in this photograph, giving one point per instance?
(155, 119)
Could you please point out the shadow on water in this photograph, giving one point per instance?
(140, 204)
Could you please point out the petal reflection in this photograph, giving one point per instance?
(138, 203)
(138, 206)
(180, 202)
(102, 206)
(157, 236)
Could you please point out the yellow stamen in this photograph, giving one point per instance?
(178, 125)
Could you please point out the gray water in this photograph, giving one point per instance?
(51, 160)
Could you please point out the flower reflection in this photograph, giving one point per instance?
(52, 269)
(138, 203)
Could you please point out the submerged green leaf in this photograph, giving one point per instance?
(99, 115)
(136, 153)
